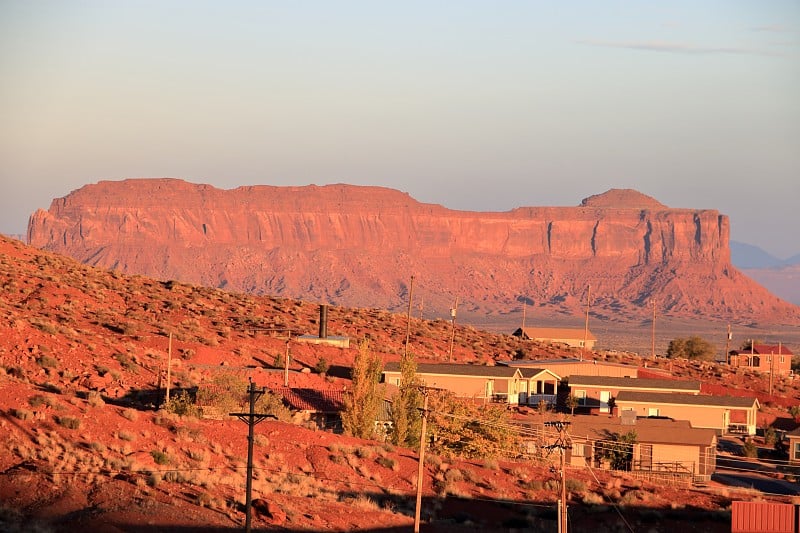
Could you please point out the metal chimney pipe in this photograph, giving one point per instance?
(323, 321)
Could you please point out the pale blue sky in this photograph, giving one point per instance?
(483, 106)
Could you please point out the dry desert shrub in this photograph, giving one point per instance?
(363, 502)
(94, 399)
(388, 462)
(22, 414)
(37, 400)
(592, 498)
(68, 422)
(126, 435)
(129, 414)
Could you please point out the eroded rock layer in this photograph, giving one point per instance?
(359, 246)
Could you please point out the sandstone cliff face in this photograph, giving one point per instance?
(358, 246)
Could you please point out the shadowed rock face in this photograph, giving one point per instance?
(359, 246)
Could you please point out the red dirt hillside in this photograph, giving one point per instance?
(357, 246)
(85, 449)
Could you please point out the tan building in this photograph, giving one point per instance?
(794, 446)
(595, 392)
(763, 358)
(662, 447)
(723, 414)
(527, 386)
(569, 367)
(570, 336)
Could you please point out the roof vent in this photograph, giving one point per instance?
(628, 417)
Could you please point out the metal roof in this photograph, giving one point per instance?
(679, 398)
(633, 383)
(554, 333)
(454, 369)
(648, 430)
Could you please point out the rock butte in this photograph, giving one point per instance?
(358, 246)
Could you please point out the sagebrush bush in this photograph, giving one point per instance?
(160, 457)
(46, 361)
(22, 414)
(68, 422)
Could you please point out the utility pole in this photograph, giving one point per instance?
(653, 336)
(169, 367)
(562, 443)
(421, 466)
(524, 309)
(251, 418)
(286, 364)
(408, 316)
(728, 346)
(453, 313)
(771, 371)
(586, 326)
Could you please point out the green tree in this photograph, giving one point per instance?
(618, 450)
(462, 428)
(363, 403)
(692, 348)
(406, 419)
(571, 403)
(227, 393)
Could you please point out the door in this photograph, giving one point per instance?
(523, 392)
(646, 458)
(604, 397)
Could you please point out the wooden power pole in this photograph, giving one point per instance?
(653, 336)
(453, 313)
(408, 316)
(586, 326)
(561, 443)
(421, 467)
(251, 418)
(169, 368)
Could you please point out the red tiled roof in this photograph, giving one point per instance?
(765, 349)
(318, 401)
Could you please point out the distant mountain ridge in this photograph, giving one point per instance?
(747, 256)
(359, 246)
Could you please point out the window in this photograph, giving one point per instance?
(581, 396)
(578, 449)
(652, 411)
(797, 450)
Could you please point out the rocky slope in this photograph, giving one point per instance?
(359, 246)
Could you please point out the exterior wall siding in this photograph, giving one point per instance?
(699, 416)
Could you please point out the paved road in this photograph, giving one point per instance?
(754, 480)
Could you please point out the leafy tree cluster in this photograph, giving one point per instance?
(227, 393)
(465, 429)
(692, 348)
(363, 403)
(618, 450)
(406, 417)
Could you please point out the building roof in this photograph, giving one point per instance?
(454, 369)
(313, 400)
(633, 383)
(680, 398)
(648, 430)
(765, 349)
(531, 373)
(554, 333)
(565, 361)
